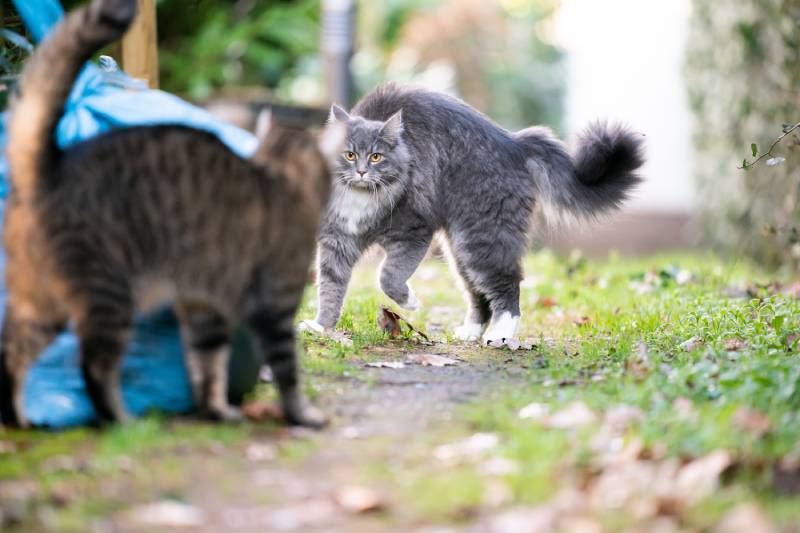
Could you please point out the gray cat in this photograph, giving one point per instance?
(418, 162)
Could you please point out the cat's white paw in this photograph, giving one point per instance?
(412, 303)
(468, 331)
(312, 326)
(501, 330)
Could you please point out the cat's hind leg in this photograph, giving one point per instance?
(493, 266)
(402, 259)
(104, 318)
(478, 310)
(271, 318)
(21, 343)
(205, 334)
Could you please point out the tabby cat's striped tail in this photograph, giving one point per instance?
(46, 82)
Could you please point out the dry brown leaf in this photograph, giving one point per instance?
(577, 414)
(546, 302)
(638, 365)
(391, 323)
(734, 345)
(303, 515)
(582, 320)
(471, 448)
(691, 344)
(786, 475)
(386, 364)
(745, 518)
(752, 421)
(535, 411)
(259, 452)
(260, 410)
(429, 359)
(167, 514)
(357, 500)
(700, 477)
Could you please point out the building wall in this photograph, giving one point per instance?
(625, 60)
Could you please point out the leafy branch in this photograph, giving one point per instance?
(787, 130)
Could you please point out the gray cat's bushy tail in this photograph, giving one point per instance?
(47, 80)
(596, 179)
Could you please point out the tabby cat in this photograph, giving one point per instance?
(143, 215)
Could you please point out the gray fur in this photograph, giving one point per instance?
(447, 167)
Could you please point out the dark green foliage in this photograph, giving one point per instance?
(205, 45)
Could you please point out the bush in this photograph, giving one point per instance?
(744, 84)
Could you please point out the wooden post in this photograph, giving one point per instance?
(140, 47)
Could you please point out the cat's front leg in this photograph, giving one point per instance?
(402, 259)
(336, 257)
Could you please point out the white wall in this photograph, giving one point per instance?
(624, 63)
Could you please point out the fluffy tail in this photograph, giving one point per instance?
(46, 82)
(597, 179)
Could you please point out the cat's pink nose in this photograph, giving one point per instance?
(361, 172)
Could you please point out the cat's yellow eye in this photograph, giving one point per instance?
(350, 156)
(375, 157)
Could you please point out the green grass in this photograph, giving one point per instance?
(607, 333)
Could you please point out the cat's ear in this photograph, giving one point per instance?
(392, 129)
(331, 140)
(337, 114)
(263, 123)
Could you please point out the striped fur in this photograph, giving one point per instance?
(146, 215)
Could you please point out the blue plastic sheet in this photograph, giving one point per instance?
(153, 373)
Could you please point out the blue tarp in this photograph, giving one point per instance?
(153, 374)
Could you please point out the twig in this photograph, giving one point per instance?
(786, 132)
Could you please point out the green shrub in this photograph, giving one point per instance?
(743, 74)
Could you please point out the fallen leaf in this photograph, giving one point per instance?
(522, 520)
(580, 524)
(258, 452)
(752, 421)
(260, 410)
(792, 290)
(168, 514)
(685, 408)
(498, 466)
(304, 515)
(64, 463)
(699, 478)
(340, 337)
(745, 518)
(429, 359)
(734, 345)
(496, 493)
(357, 500)
(471, 448)
(534, 411)
(791, 341)
(391, 323)
(691, 344)
(620, 417)
(386, 364)
(6, 446)
(546, 302)
(577, 414)
(638, 365)
(582, 321)
(683, 276)
(786, 475)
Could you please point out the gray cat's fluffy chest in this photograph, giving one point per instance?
(355, 211)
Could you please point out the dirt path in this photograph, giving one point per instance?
(379, 420)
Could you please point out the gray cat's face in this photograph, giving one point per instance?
(374, 155)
